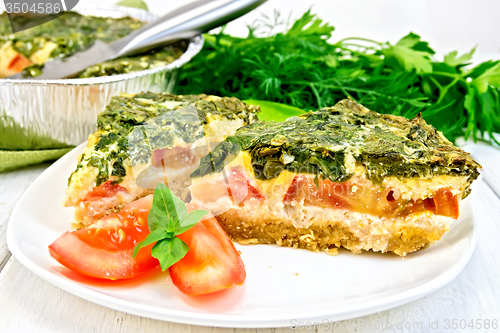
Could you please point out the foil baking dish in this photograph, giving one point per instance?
(37, 114)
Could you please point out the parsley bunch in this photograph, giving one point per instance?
(168, 218)
(301, 67)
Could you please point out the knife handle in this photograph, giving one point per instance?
(184, 23)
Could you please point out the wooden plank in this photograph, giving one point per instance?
(12, 186)
(29, 304)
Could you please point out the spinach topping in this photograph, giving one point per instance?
(318, 143)
(132, 127)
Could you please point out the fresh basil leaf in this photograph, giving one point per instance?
(190, 220)
(166, 205)
(160, 220)
(153, 221)
(168, 218)
(169, 251)
(154, 236)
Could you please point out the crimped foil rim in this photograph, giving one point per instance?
(195, 46)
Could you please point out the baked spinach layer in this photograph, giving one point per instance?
(324, 141)
(132, 127)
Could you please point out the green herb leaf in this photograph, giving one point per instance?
(154, 236)
(451, 58)
(302, 68)
(490, 77)
(168, 218)
(411, 53)
(169, 251)
(470, 105)
(190, 220)
(166, 206)
(310, 26)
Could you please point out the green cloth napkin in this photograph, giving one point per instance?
(15, 159)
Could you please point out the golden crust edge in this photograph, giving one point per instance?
(328, 235)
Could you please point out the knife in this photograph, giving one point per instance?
(183, 23)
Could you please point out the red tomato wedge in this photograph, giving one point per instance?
(239, 188)
(108, 189)
(104, 249)
(446, 203)
(18, 63)
(360, 196)
(212, 262)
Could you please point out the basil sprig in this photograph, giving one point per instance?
(167, 219)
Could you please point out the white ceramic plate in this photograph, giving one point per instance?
(283, 287)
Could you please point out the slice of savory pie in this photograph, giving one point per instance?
(144, 139)
(342, 176)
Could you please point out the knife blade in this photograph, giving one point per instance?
(183, 23)
(69, 66)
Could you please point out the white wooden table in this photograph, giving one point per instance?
(30, 304)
